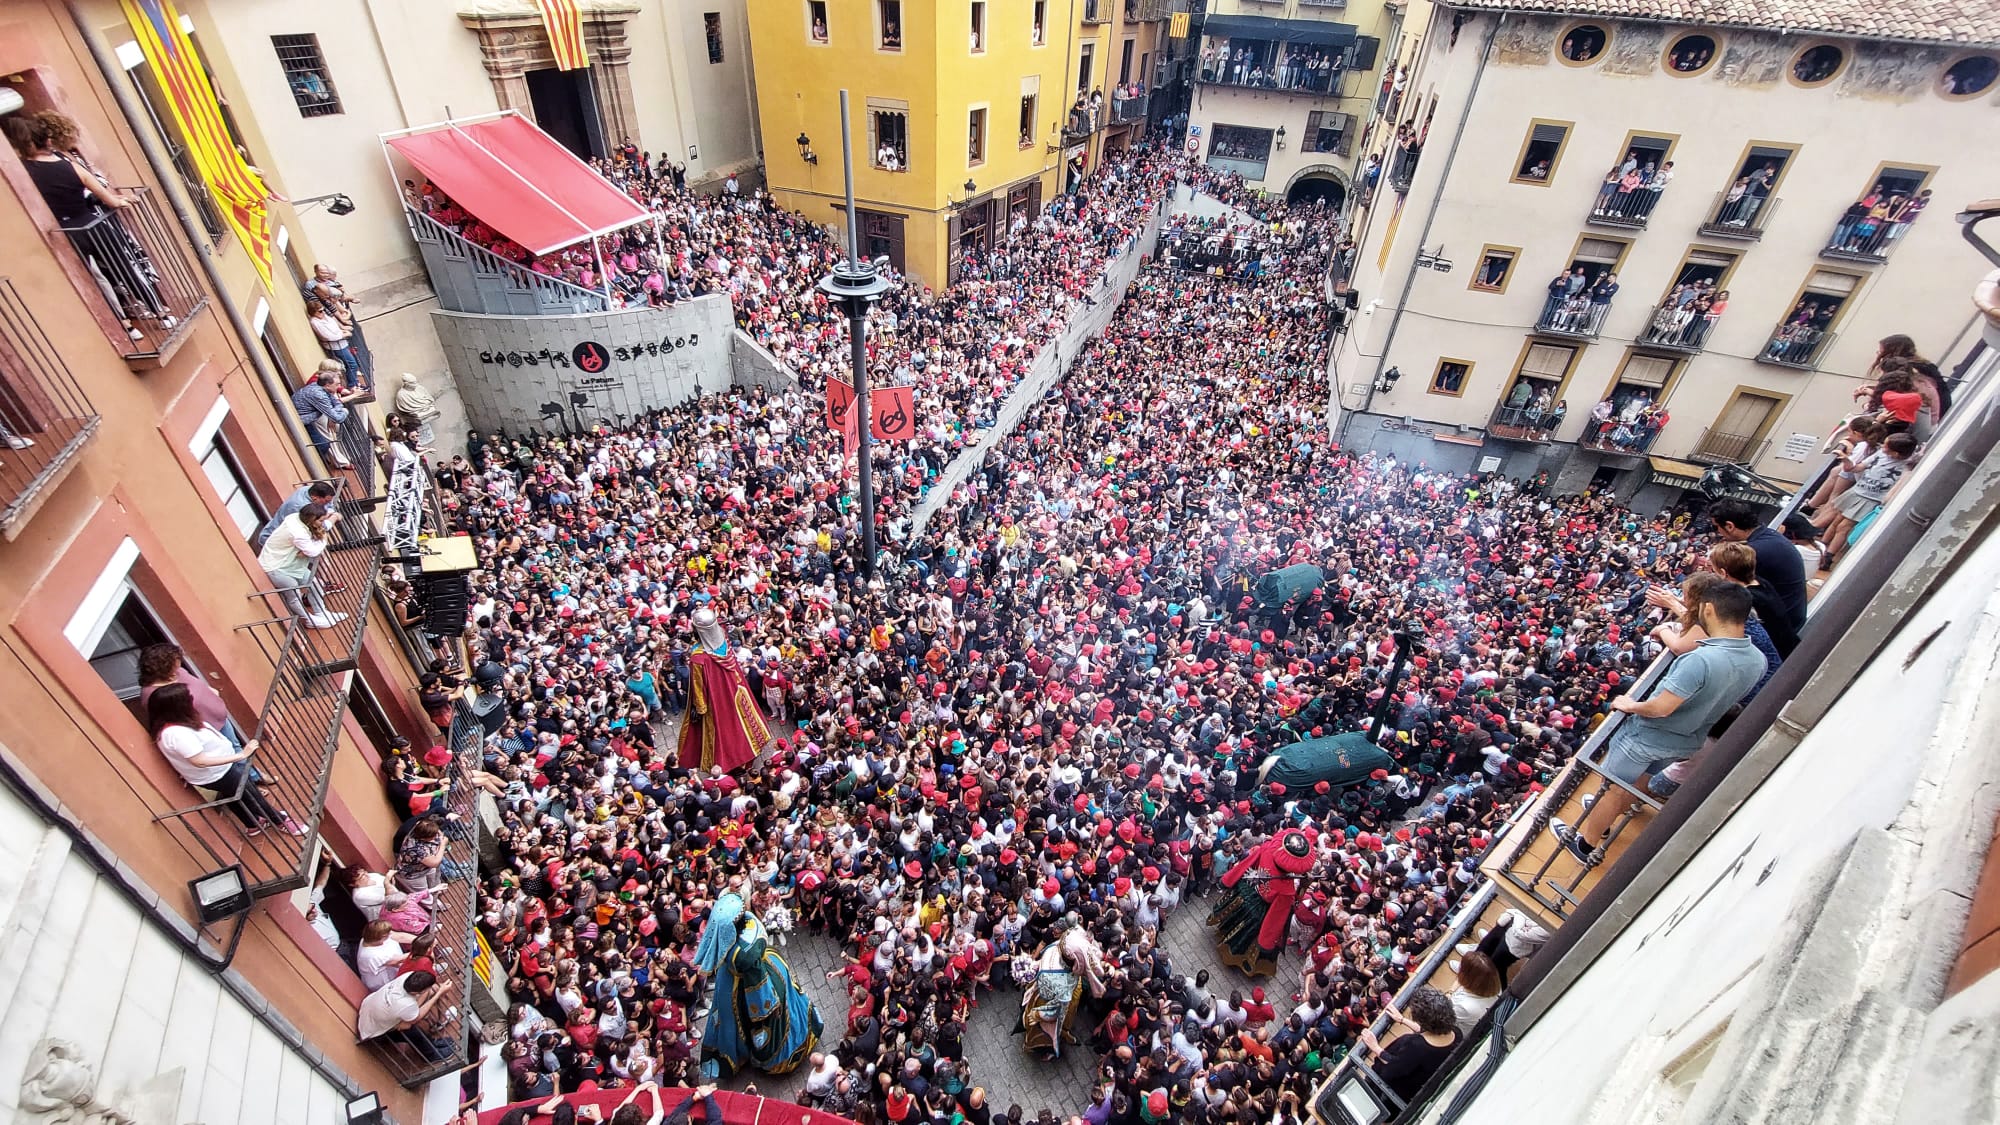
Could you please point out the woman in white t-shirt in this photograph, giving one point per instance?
(379, 959)
(207, 760)
(287, 559)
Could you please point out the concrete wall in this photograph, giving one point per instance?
(507, 367)
(751, 364)
(1050, 366)
(1882, 108)
(168, 1039)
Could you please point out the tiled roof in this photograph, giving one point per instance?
(1968, 22)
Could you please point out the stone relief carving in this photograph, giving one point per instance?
(1752, 60)
(1892, 73)
(1635, 50)
(1528, 42)
(59, 1087)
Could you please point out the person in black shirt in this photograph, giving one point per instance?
(1778, 563)
(1409, 1061)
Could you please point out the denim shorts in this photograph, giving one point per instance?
(1629, 763)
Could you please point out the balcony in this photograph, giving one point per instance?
(1798, 346)
(1574, 318)
(1126, 110)
(1097, 11)
(45, 418)
(1082, 122)
(1678, 328)
(1743, 219)
(1626, 210)
(1403, 167)
(1150, 11)
(1716, 447)
(1522, 423)
(469, 278)
(134, 255)
(298, 727)
(1286, 80)
(1618, 438)
(452, 909)
(1863, 240)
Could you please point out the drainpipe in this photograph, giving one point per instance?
(1430, 218)
(170, 181)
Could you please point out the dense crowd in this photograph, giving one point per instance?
(1048, 710)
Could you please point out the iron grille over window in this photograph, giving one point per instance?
(306, 73)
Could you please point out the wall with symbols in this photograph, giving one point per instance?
(555, 372)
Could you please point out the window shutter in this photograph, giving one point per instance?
(1550, 134)
(1838, 284)
(951, 249)
(1602, 251)
(1365, 48)
(1647, 371)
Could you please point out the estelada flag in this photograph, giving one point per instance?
(191, 102)
(564, 21)
(892, 413)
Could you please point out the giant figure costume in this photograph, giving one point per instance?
(724, 726)
(1250, 922)
(758, 1017)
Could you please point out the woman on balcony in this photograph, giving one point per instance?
(287, 559)
(207, 761)
(86, 210)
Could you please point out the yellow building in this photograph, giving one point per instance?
(966, 114)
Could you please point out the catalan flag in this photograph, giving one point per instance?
(192, 103)
(1177, 27)
(564, 20)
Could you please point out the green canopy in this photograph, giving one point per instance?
(1341, 759)
(1280, 586)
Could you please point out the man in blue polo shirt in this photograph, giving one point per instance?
(1671, 724)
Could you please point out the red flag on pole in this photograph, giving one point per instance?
(840, 418)
(892, 413)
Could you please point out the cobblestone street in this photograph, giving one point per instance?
(1010, 1074)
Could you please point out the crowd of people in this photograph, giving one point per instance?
(1044, 715)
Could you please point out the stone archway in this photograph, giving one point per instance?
(513, 41)
(1318, 181)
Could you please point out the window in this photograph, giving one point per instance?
(1240, 149)
(274, 348)
(1125, 62)
(711, 26)
(1038, 32)
(816, 25)
(1817, 65)
(1583, 43)
(1873, 224)
(305, 72)
(889, 23)
(978, 26)
(1969, 77)
(115, 655)
(1689, 55)
(1543, 368)
(1451, 377)
(975, 137)
(1495, 269)
(1541, 152)
(889, 138)
(225, 473)
(1739, 427)
(1327, 131)
(1083, 68)
(1801, 337)
(1694, 302)
(1028, 117)
(1746, 203)
(1630, 415)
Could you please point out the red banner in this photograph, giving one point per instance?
(563, 20)
(839, 401)
(892, 414)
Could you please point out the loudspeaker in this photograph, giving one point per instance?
(446, 600)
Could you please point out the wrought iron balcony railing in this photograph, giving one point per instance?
(1576, 317)
(1522, 423)
(1096, 11)
(1720, 447)
(45, 418)
(1129, 109)
(1618, 437)
(1796, 345)
(1677, 328)
(141, 273)
(1627, 209)
(1744, 217)
(1403, 167)
(298, 727)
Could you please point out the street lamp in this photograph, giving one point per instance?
(1281, 138)
(855, 284)
(805, 149)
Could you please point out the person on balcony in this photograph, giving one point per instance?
(1777, 560)
(87, 211)
(207, 761)
(1409, 1060)
(322, 407)
(394, 1013)
(287, 559)
(312, 492)
(337, 340)
(1672, 723)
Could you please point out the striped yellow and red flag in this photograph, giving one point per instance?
(564, 19)
(192, 103)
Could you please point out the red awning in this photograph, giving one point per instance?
(520, 182)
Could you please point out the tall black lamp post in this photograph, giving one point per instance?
(857, 283)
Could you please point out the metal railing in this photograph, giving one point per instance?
(492, 284)
(1291, 80)
(1080, 124)
(453, 913)
(1150, 10)
(198, 191)
(1723, 447)
(1796, 345)
(1677, 328)
(1522, 423)
(1862, 240)
(1618, 437)
(136, 259)
(45, 418)
(1403, 167)
(1577, 316)
(1096, 11)
(1129, 109)
(1743, 218)
(1628, 209)
(298, 727)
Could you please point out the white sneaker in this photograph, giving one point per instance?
(16, 441)
(1589, 799)
(1454, 965)
(1466, 947)
(325, 620)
